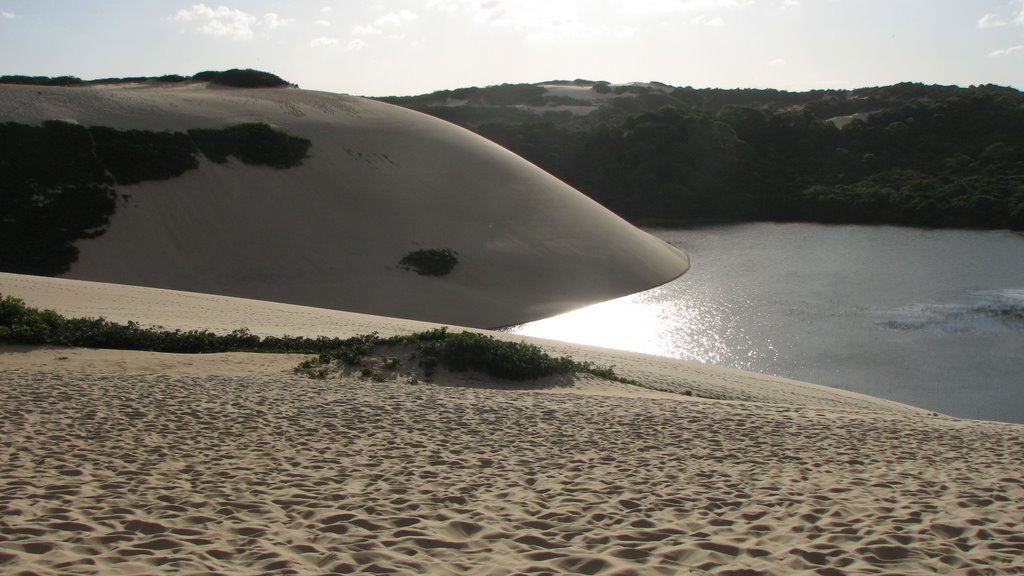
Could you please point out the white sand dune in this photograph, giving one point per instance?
(139, 463)
(380, 182)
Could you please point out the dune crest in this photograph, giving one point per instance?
(379, 183)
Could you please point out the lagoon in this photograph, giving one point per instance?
(933, 318)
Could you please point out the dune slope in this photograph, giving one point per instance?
(380, 181)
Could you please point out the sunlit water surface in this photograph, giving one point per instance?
(933, 318)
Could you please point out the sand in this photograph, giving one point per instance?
(117, 462)
(380, 182)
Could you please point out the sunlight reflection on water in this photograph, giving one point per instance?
(678, 320)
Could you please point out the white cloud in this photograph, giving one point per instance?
(444, 5)
(395, 18)
(354, 45)
(777, 62)
(326, 10)
(7, 15)
(273, 21)
(537, 20)
(1006, 51)
(323, 41)
(790, 3)
(323, 23)
(991, 21)
(704, 19)
(228, 22)
(328, 42)
(646, 7)
(360, 30)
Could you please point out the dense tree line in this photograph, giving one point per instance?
(916, 155)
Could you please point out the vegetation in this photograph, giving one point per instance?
(57, 180)
(430, 262)
(253, 143)
(920, 155)
(21, 324)
(459, 352)
(247, 78)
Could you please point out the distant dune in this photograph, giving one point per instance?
(379, 183)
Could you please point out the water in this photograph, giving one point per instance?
(933, 318)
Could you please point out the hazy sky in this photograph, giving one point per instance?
(395, 47)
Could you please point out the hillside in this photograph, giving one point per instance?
(301, 197)
(913, 154)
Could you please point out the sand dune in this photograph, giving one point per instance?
(137, 463)
(380, 182)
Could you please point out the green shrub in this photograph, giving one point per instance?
(247, 78)
(431, 262)
(458, 352)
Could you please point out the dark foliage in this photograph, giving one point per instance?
(252, 143)
(430, 262)
(458, 352)
(52, 192)
(134, 156)
(21, 324)
(56, 187)
(42, 80)
(938, 156)
(237, 78)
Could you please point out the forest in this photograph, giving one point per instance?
(908, 154)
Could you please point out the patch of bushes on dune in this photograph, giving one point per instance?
(134, 156)
(456, 351)
(235, 77)
(430, 262)
(22, 324)
(238, 78)
(56, 180)
(53, 191)
(253, 143)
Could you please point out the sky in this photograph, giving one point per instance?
(403, 47)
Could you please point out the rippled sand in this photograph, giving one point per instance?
(135, 463)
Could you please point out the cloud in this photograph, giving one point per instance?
(777, 62)
(1006, 51)
(444, 5)
(228, 22)
(326, 10)
(4, 15)
(273, 21)
(395, 18)
(323, 23)
(991, 21)
(716, 22)
(360, 30)
(790, 3)
(648, 7)
(328, 42)
(354, 45)
(537, 20)
(323, 41)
